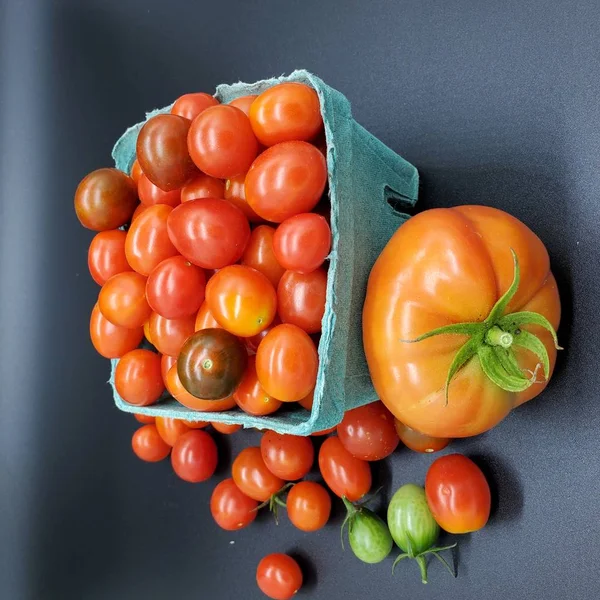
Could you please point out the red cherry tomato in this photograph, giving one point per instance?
(250, 395)
(209, 232)
(260, 256)
(148, 243)
(112, 341)
(287, 363)
(323, 432)
(122, 300)
(252, 343)
(225, 428)
(169, 335)
(151, 194)
(148, 445)
(301, 299)
(136, 171)
(419, 442)
(278, 576)
(308, 506)
(106, 255)
(231, 508)
(175, 288)
(221, 142)
(236, 194)
(242, 300)
(285, 112)
(253, 477)
(191, 105)
(244, 103)
(166, 362)
(290, 457)
(345, 475)
(458, 494)
(368, 432)
(144, 419)
(301, 243)
(205, 319)
(203, 186)
(138, 211)
(194, 456)
(307, 403)
(170, 429)
(137, 378)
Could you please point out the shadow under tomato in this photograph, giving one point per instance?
(309, 570)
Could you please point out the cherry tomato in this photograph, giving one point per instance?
(196, 424)
(106, 255)
(112, 341)
(244, 103)
(259, 254)
(250, 395)
(145, 419)
(184, 397)
(236, 194)
(170, 429)
(205, 319)
(105, 199)
(419, 442)
(346, 475)
(278, 576)
(290, 457)
(458, 494)
(287, 363)
(136, 171)
(148, 243)
(148, 445)
(231, 508)
(307, 403)
(324, 432)
(166, 362)
(175, 288)
(225, 428)
(285, 112)
(252, 343)
(368, 432)
(211, 364)
(138, 379)
(151, 194)
(162, 152)
(194, 456)
(122, 300)
(301, 299)
(308, 506)
(138, 211)
(169, 335)
(253, 477)
(242, 300)
(191, 105)
(203, 186)
(302, 242)
(221, 142)
(209, 232)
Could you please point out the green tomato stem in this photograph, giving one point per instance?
(496, 337)
(422, 567)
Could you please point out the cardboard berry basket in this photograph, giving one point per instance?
(369, 186)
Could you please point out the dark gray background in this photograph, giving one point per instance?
(496, 102)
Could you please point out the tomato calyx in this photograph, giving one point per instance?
(420, 557)
(494, 339)
(275, 501)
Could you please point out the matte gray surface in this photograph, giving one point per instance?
(495, 102)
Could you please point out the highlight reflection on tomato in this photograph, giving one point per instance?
(106, 255)
(169, 335)
(260, 256)
(122, 300)
(301, 299)
(251, 397)
(138, 379)
(252, 476)
(112, 341)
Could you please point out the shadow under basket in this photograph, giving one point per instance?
(369, 186)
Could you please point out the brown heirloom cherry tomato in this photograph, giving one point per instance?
(191, 105)
(112, 341)
(419, 442)
(106, 255)
(138, 379)
(122, 300)
(231, 508)
(244, 103)
(260, 256)
(148, 445)
(203, 186)
(194, 456)
(235, 192)
(151, 194)
(250, 395)
(301, 299)
(253, 477)
(278, 576)
(287, 456)
(170, 429)
(169, 335)
(308, 506)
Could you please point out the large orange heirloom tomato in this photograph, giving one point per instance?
(460, 318)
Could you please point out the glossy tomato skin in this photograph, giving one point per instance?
(278, 576)
(190, 106)
(211, 364)
(205, 319)
(458, 494)
(170, 430)
(209, 232)
(112, 341)
(136, 171)
(286, 180)
(290, 457)
(169, 335)
(419, 442)
(166, 362)
(194, 456)
(235, 192)
(231, 508)
(250, 395)
(252, 476)
(151, 194)
(148, 445)
(162, 152)
(368, 432)
(122, 300)
(301, 299)
(345, 475)
(260, 256)
(244, 103)
(148, 243)
(138, 211)
(307, 402)
(252, 343)
(286, 112)
(106, 255)
(138, 379)
(175, 288)
(203, 186)
(225, 428)
(287, 363)
(242, 300)
(144, 419)
(465, 265)
(308, 506)
(221, 142)
(105, 199)
(301, 243)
